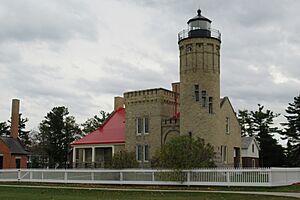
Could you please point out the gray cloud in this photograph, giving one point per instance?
(94, 50)
(48, 20)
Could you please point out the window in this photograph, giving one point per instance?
(139, 126)
(189, 48)
(146, 153)
(227, 122)
(224, 153)
(146, 125)
(139, 150)
(253, 163)
(203, 98)
(18, 163)
(197, 92)
(252, 148)
(142, 125)
(210, 105)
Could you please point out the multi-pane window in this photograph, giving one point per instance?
(139, 150)
(203, 98)
(227, 123)
(146, 125)
(142, 125)
(139, 126)
(210, 105)
(146, 153)
(224, 153)
(196, 92)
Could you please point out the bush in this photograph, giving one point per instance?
(185, 152)
(124, 159)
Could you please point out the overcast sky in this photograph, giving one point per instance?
(81, 54)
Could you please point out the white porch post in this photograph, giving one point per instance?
(83, 155)
(74, 157)
(93, 157)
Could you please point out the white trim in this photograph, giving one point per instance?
(74, 154)
(137, 126)
(144, 126)
(94, 145)
(137, 152)
(1, 154)
(144, 153)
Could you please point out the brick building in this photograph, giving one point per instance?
(12, 151)
(192, 107)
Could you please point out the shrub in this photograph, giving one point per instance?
(124, 159)
(185, 152)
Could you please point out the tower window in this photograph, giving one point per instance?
(197, 92)
(203, 98)
(142, 125)
(139, 125)
(146, 125)
(227, 127)
(210, 105)
(252, 148)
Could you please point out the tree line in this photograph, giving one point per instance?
(50, 145)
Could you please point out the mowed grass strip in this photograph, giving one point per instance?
(20, 193)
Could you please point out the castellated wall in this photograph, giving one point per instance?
(155, 104)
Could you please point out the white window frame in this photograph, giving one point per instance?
(139, 153)
(137, 125)
(144, 150)
(144, 125)
(224, 153)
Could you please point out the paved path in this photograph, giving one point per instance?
(285, 194)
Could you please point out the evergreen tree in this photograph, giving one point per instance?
(92, 124)
(246, 123)
(23, 133)
(4, 129)
(292, 132)
(271, 153)
(57, 131)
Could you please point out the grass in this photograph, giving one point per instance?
(291, 188)
(14, 193)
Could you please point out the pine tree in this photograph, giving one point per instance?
(4, 129)
(292, 132)
(271, 153)
(23, 133)
(92, 124)
(57, 131)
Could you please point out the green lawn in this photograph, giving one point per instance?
(13, 193)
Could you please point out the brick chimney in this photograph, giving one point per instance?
(119, 103)
(14, 129)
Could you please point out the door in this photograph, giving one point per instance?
(18, 163)
(1, 162)
(237, 157)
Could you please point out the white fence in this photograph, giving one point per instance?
(207, 177)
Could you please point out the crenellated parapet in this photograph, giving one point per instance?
(156, 95)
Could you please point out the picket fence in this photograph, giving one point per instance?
(267, 177)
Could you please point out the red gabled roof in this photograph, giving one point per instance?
(112, 131)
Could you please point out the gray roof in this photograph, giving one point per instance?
(14, 145)
(246, 142)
